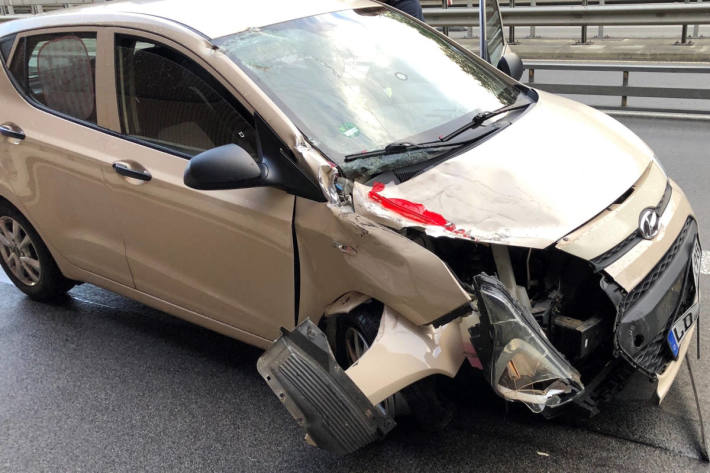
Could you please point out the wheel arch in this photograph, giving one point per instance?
(9, 199)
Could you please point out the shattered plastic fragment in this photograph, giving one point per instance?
(521, 362)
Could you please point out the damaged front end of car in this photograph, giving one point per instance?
(495, 264)
(495, 331)
(342, 411)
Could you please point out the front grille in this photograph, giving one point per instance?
(606, 259)
(655, 355)
(657, 270)
(610, 256)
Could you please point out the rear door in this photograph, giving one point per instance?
(226, 255)
(56, 171)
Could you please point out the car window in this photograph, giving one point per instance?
(59, 71)
(6, 47)
(494, 32)
(168, 100)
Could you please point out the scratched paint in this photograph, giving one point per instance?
(415, 212)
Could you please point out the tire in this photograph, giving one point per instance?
(26, 259)
(362, 323)
(431, 410)
(422, 400)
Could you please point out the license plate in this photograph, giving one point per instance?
(683, 325)
(680, 329)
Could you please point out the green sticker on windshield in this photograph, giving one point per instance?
(350, 130)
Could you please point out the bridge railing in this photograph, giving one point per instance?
(624, 89)
(681, 14)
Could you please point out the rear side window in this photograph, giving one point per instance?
(59, 71)
(6, 47)
(166, 99)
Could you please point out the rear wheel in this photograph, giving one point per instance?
(26, 259)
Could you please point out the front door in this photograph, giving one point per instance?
(226, 255)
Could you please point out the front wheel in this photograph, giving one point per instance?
(422, 400)
(26, 259)
(356, 332)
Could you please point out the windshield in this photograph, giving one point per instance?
(358, 80)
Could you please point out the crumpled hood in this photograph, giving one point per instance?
(555, 168)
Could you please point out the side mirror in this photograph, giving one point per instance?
(225, 167)
(511, 64)
(231, 167)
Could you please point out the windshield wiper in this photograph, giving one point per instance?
(480, 118)
(403, 147)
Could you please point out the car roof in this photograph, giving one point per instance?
(211, 18)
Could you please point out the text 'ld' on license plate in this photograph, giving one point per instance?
(680, 329)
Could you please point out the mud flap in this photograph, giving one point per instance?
(301, 370)
(520, 362)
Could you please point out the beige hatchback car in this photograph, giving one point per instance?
(340, 184)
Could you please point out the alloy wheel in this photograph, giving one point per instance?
(18, 252)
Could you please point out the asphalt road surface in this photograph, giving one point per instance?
(100, 383)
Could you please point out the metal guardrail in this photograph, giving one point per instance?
(10, 8)
(465, 3)
(4, 18)
(624, 90)
(577, 15)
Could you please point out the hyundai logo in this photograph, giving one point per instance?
(649, 224)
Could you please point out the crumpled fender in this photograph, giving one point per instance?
(341, 252)
(404, 353)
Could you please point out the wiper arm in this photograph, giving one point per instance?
(480, 118)
(403, 147)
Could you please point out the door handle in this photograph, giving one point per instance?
(124, 170)
(12, 132)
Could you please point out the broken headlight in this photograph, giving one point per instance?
(521, 363)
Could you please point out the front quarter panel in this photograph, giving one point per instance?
(341, 251)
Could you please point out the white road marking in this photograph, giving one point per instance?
(705, 267)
